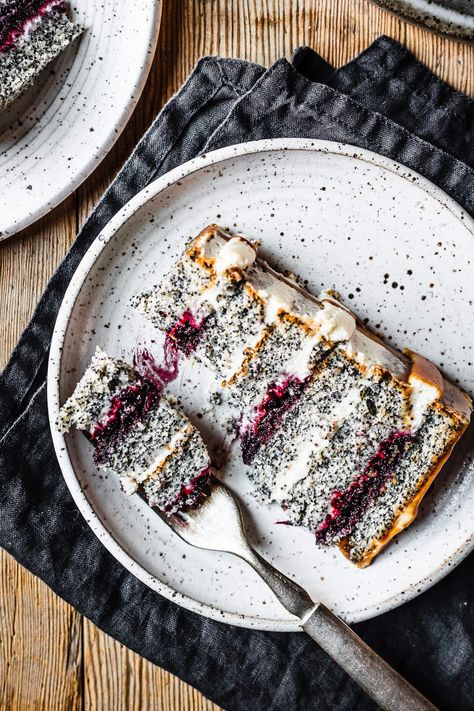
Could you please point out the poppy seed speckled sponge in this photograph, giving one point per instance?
(139, 434)
(32, 34)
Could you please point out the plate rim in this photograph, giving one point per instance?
(440, 20)
(55, 355)
(116, 129)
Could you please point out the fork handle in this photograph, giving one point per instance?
(377, 678)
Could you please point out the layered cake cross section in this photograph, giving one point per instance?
(139, 434)
(32, 34)
(345, 432)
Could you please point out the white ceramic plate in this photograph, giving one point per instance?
(54, 136)
(400, 253)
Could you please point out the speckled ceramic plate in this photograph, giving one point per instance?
(53, 136)
(454, 18)
(400, 253)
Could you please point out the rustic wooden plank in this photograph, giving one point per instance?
(40, 645)
(27, 261)
(40, 638)
(116, 678)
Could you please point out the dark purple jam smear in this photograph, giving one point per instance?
(135, 400)
(186, 334)
(193, 493)
(17, 14)
(279, 399)
(348, 507)
(127, 408)
(158, 373)
(183, 337)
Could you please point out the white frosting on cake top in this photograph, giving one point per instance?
(281, 295)
(335, 323)
(210, 243)
(368, 351)
(277, 296)
(276, 293)
(236, 253)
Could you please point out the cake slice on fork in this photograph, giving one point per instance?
(139, 434)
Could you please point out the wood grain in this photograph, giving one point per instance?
(114, 678)
(50, 658)
(40, 647)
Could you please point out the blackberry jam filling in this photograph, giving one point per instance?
(279, 399)
(193, 493)
(186, 334)
(348, 507)
(16, 16)
(126, 409)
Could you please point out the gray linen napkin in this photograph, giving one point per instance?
(383, 100)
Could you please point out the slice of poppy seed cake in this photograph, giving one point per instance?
(139, 434)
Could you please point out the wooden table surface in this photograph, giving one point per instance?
(50, 657)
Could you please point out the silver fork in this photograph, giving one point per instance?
(217, 525)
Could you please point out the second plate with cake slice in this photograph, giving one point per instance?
(59, 128)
